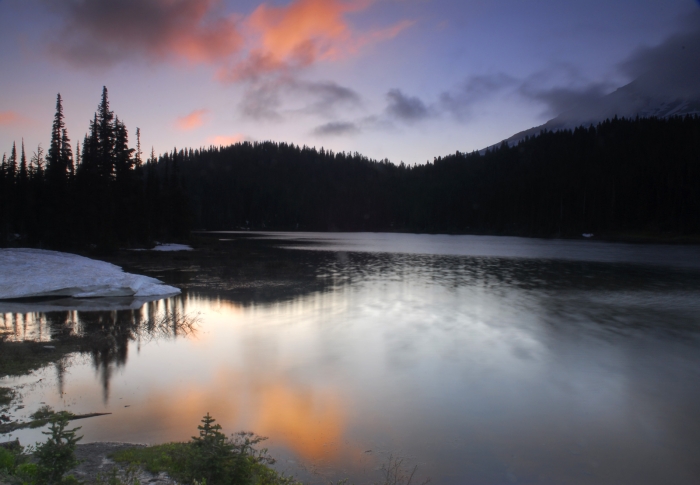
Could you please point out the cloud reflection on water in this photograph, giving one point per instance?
(483, 370)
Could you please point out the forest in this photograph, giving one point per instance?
(102, 194)
(623, 176)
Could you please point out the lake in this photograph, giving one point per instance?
(480, 360)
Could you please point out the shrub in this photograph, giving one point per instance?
(7, 461)
(57, 455)
(210, 458)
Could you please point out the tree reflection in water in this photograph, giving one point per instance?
(52, 338)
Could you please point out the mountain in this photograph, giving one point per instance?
(632, 100)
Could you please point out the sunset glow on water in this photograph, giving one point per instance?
(475, 369)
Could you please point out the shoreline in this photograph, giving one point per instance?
(95, 459)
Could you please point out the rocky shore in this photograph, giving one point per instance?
(94, 460)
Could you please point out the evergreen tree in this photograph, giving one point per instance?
(66, 154)
(56, 166)
(137, 160)
(12, 165)
(23, 171)
(37, 163)
(105, 137)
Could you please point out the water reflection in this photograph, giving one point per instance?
(104, 336)
(480, 369)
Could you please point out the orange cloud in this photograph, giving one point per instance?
(271, 39)
(302, 33)
(191, 121)
(225, 140)
(304, 30)
(10, 118)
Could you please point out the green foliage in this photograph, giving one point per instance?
(44, 412)
(57, 455)
(7, 461)
(211, 456)
(14, 468)
(210, 459)
(155, 459)
(27, 473)
(69, 480)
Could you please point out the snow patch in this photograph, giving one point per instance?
(26, 273)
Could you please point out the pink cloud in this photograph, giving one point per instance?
(225, 140)
(191, 121)
(302, 33)
(272, 39)
(8, 118)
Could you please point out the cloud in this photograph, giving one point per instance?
(326, 96)
(262, 101)
(97, 33)
(8, 118)
(660, 74)
(226, 140)
(337, 128)
(191, 121)
(406, 108)
(459, 101)
(271, 40)
(671, 68)
(265, 99)
(558, 100)
(288, 38)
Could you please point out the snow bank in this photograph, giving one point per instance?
(62, 304)
(28, 273)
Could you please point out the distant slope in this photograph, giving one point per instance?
(620, 177)
(629, 101)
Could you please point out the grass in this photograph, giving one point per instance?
(210, 458)
(153, 459)
(172, 458)
(175, 459)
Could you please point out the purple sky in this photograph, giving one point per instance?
(405, 80)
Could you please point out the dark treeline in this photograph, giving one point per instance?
(623, 176)
(101, 193)
(638, 177)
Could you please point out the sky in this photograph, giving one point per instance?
(405, 80)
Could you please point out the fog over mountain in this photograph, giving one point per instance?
(666, 83)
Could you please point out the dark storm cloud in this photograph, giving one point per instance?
(337, 128)
(670, 68)
(406, 108)
(101, 33)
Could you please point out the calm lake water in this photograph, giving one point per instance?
(481, 360)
